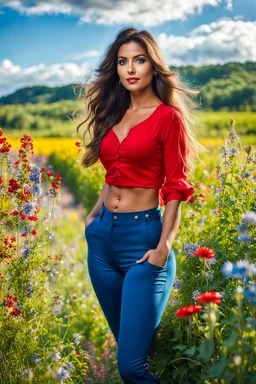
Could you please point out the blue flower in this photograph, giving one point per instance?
(249, 217)
(28, 208)
(250, 293)
(26, 252)
(36, 190)
(35, 175)
(240, 270)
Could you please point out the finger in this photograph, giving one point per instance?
(143, 258)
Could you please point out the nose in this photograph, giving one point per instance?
(131, 70)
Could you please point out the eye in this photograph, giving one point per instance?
(120, 61)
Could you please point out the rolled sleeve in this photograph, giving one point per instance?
(176, 186)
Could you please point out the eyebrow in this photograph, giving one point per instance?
(141, 54)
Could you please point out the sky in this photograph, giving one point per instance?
(55, 43)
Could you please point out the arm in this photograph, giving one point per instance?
(96, 209)
(176, 187)
(171, 222)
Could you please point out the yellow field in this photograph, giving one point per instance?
(45, 146)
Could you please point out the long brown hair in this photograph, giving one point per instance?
(106, 100)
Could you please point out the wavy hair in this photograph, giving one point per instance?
(106, 100)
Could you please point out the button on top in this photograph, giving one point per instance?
(136, 217)
(114, 217)
(147, 215)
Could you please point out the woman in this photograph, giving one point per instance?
(139, 133)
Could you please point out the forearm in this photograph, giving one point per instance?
(171, 222)
(96, 209)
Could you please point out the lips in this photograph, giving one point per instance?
(132, 81)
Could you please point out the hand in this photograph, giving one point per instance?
(88, 220)
(156, 256)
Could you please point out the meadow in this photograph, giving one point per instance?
(52, 328)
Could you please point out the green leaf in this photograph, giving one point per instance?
(180, 347)
(206, 349)
(191, 351)
(216, 369)
(231, 341)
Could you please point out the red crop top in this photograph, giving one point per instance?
(148, 156)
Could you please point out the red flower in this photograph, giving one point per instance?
(210, 297)
(78, 144)
(9, 300)
(205, 253)
(34, 232)
(188, 310)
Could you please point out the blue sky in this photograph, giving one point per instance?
(60, 42)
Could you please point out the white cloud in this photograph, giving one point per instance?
(149, 13)
(14, 77)
(215, 43)
(84, 55)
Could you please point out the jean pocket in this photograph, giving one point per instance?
(157, 266)
(153, 230)
(90, 224)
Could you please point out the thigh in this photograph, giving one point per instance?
(146, 290)
(107, 282)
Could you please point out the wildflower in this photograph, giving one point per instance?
(62, 374)
(28, 374)
(26, 252)
(212, 261)
(28, 208)
(190, 248)
(76, 338)
(233, 151)
(55, 356)
(78, 144)
(250, 293)
(195, 294)
(206, 253)
(232, 134)
(209, 274)
(240, 270)
(246, 175)
(70, 366)
(35, 175)
(210, 297)
(36, 359)
(244, 237)
(225, 151)
(188, 310)
(249, 217)
(172, 302)
(10, 300)
(237, 360)
(177, 284)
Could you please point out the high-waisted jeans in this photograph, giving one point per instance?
(132, 296)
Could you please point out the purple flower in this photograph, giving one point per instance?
(212, 261)
(177, 284)
(195, 294)
(62, 374)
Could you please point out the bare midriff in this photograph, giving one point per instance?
(130, 199)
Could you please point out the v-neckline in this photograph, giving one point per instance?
(136, 125)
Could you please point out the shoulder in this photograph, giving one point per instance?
(170, 114)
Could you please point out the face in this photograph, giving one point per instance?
(133, 61)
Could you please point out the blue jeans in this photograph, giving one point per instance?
(132, 296)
